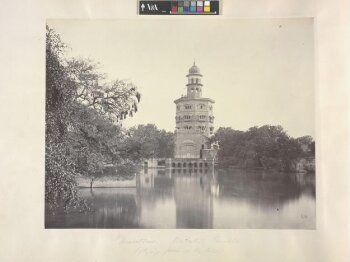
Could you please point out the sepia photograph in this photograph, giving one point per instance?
(180, 124)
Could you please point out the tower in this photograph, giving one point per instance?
(194, 119)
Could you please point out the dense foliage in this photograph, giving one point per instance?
(82, 109)
(147, 141)
(267, 147)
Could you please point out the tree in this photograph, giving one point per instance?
(82, 108)
(307, 145)
(266, 147)
(147, 141)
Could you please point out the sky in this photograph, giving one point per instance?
(258, 71)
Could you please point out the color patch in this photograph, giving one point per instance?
(180, 9)
(193, 6)
(186, 6)
(206, 8)
(199, 6)
(174, 7)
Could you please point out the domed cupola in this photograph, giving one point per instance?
(194, 70)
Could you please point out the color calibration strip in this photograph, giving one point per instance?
(179, 7)
(190, 7)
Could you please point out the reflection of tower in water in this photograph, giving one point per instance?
(154, 191)
(191, 191)
(194, 199)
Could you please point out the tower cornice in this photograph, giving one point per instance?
(194, 84)
(194, 74)
(187, 99)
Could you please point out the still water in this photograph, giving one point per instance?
(199, 199)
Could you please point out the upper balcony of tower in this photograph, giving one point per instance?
(194, 78)
(194, 86)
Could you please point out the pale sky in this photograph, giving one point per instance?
(258, 71)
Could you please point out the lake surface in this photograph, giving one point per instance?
(199, 199)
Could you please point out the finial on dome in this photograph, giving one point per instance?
(194, 61)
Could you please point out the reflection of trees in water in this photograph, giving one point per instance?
(263, 188)
(306, 183)
(113, 207)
